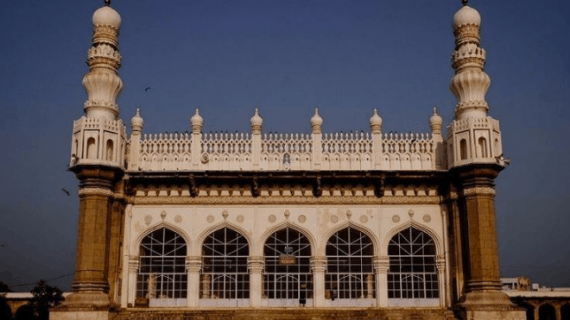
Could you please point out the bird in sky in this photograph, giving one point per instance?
(147, 88)
(66, 192)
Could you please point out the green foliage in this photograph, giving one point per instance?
(45, 297)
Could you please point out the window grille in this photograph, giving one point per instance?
(224, 257)
(349, 265)
(162, 272)
(288, 266)
(413, 270)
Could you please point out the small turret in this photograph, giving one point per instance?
(137, 122)
(317, 122)
(256, 123)
(375, 123)
(197, 122)
(435, 122)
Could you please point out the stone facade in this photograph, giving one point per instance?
(365, 225)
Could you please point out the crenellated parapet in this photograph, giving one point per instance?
(257, 151)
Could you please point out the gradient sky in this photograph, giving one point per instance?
(288, 56)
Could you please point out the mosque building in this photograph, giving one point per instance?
(252, 225)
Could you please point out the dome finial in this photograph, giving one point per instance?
(108, 3)
(465, 2)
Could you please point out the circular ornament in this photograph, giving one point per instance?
(396, 218)
(363, 219)
(334, 219)
(426, 218)
(210, 218)
(272, 218)
(178, 218)
(302, 219)
(240, 218)
(148, 219)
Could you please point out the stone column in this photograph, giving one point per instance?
(484, 298)
(557, 310)
(256, 265)
(381, 267)
(205, 283)
(319, 267)
(90, 283)
(370, 286)
(317, 135)
(193, 266)
(132, 281)
(440, 263)
(116, 230)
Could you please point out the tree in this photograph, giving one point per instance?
(45, 297)
(4, 287)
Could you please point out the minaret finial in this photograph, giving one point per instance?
(107, 3)
(465, 2)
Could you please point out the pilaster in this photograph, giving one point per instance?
(255, 265)
(381, 267)
(319, 267)
(193, 267)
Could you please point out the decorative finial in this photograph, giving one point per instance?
(435, 110)
(107, 3)
(465, 2)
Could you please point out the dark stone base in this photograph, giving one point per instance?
(286, 314)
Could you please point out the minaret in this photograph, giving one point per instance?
(98, 160)
(474, 162)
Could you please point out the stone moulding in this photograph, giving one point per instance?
(284, 200)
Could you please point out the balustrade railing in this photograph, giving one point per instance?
(245, 151)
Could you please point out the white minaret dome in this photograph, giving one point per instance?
(137, 121)
(316, 120)
(256, 122)
(197, 122)
(435, 119)
(466, 16)
(107, 16)
(375, 120)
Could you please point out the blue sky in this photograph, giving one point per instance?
(288, 57)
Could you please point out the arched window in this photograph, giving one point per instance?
(224, 266)
(350, 273)
(288, 266)
(463, 149)
(413, 270)
(162, 277)
(482, 144)
(109, 150)
(91, 149)
(546, 312)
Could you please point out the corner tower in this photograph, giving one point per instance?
(475, 160)
(98, 160)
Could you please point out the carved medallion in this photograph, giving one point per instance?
(240, 218)
(334, 219)
(272, 218)
(147, 219)
(178, 218)
(396, 218)
(427, 218)
(302, 219)
(210, 218)
(363, 219)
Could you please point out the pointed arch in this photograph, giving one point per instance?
(350, 267)
(162, 224)
(321, 249)
(224, 224)
(162, 279)
(413, 272)
(413, 224)
(285, 224)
